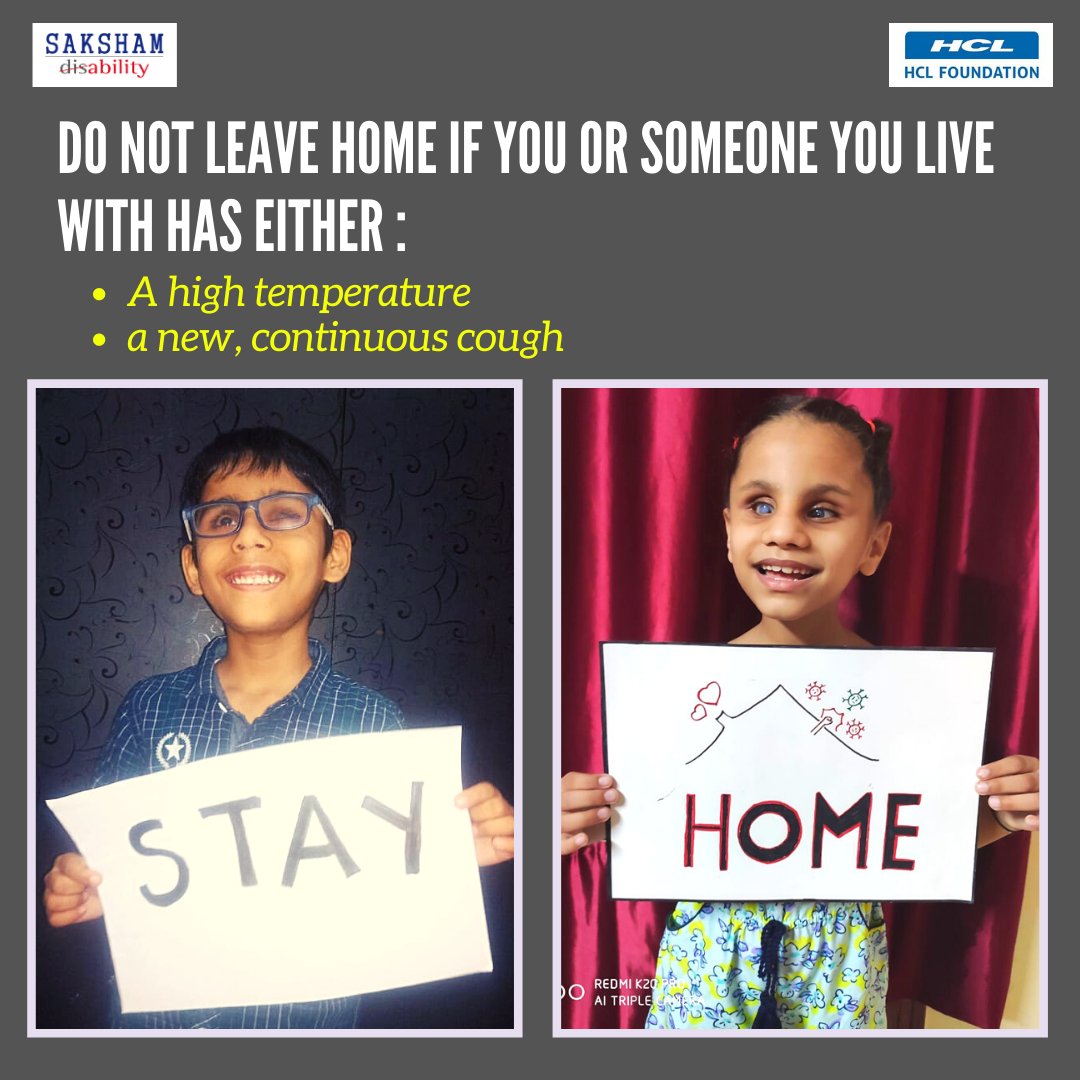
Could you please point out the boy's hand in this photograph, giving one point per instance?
(1012, 785)
(587, 799)
(71, 894)
(492, 820)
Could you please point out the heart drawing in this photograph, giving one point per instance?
(710, 693)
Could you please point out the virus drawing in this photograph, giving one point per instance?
(814, 691)
(855, 729)
(855, 699)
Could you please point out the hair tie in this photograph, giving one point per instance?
(873, 427)
(735, 443)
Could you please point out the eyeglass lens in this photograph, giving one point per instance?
(275, 512)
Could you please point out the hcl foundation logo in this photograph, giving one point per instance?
(972, 54)
(104, 54)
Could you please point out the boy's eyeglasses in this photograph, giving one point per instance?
(278, 513)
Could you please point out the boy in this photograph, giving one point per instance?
(259, 510)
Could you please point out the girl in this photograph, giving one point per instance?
(808, 490)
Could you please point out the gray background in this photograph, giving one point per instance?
(815, 277)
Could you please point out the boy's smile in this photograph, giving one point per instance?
(254, 577)
(260, 581)
(801, 525)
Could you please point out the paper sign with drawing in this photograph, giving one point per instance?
(768, 773)
(292, 873)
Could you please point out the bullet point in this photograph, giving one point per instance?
(99, 339)
(99, 294)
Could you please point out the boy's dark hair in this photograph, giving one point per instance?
(872, 435)
(263, 449)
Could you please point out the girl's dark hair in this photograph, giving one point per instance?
(872, 435)
(263, 449)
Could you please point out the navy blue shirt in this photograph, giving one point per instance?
(168, 720)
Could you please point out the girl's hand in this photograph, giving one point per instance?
(492, 820)
(1012, 787)
(587, 799)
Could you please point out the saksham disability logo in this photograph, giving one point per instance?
(104, 54)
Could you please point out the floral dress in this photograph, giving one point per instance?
(832, 968)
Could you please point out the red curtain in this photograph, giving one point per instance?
(643, 558)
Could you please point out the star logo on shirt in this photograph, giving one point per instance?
(173, 748)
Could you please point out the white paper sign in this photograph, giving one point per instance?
(778, 773)
(292, 873)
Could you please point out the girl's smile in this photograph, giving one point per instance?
(782, 575)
